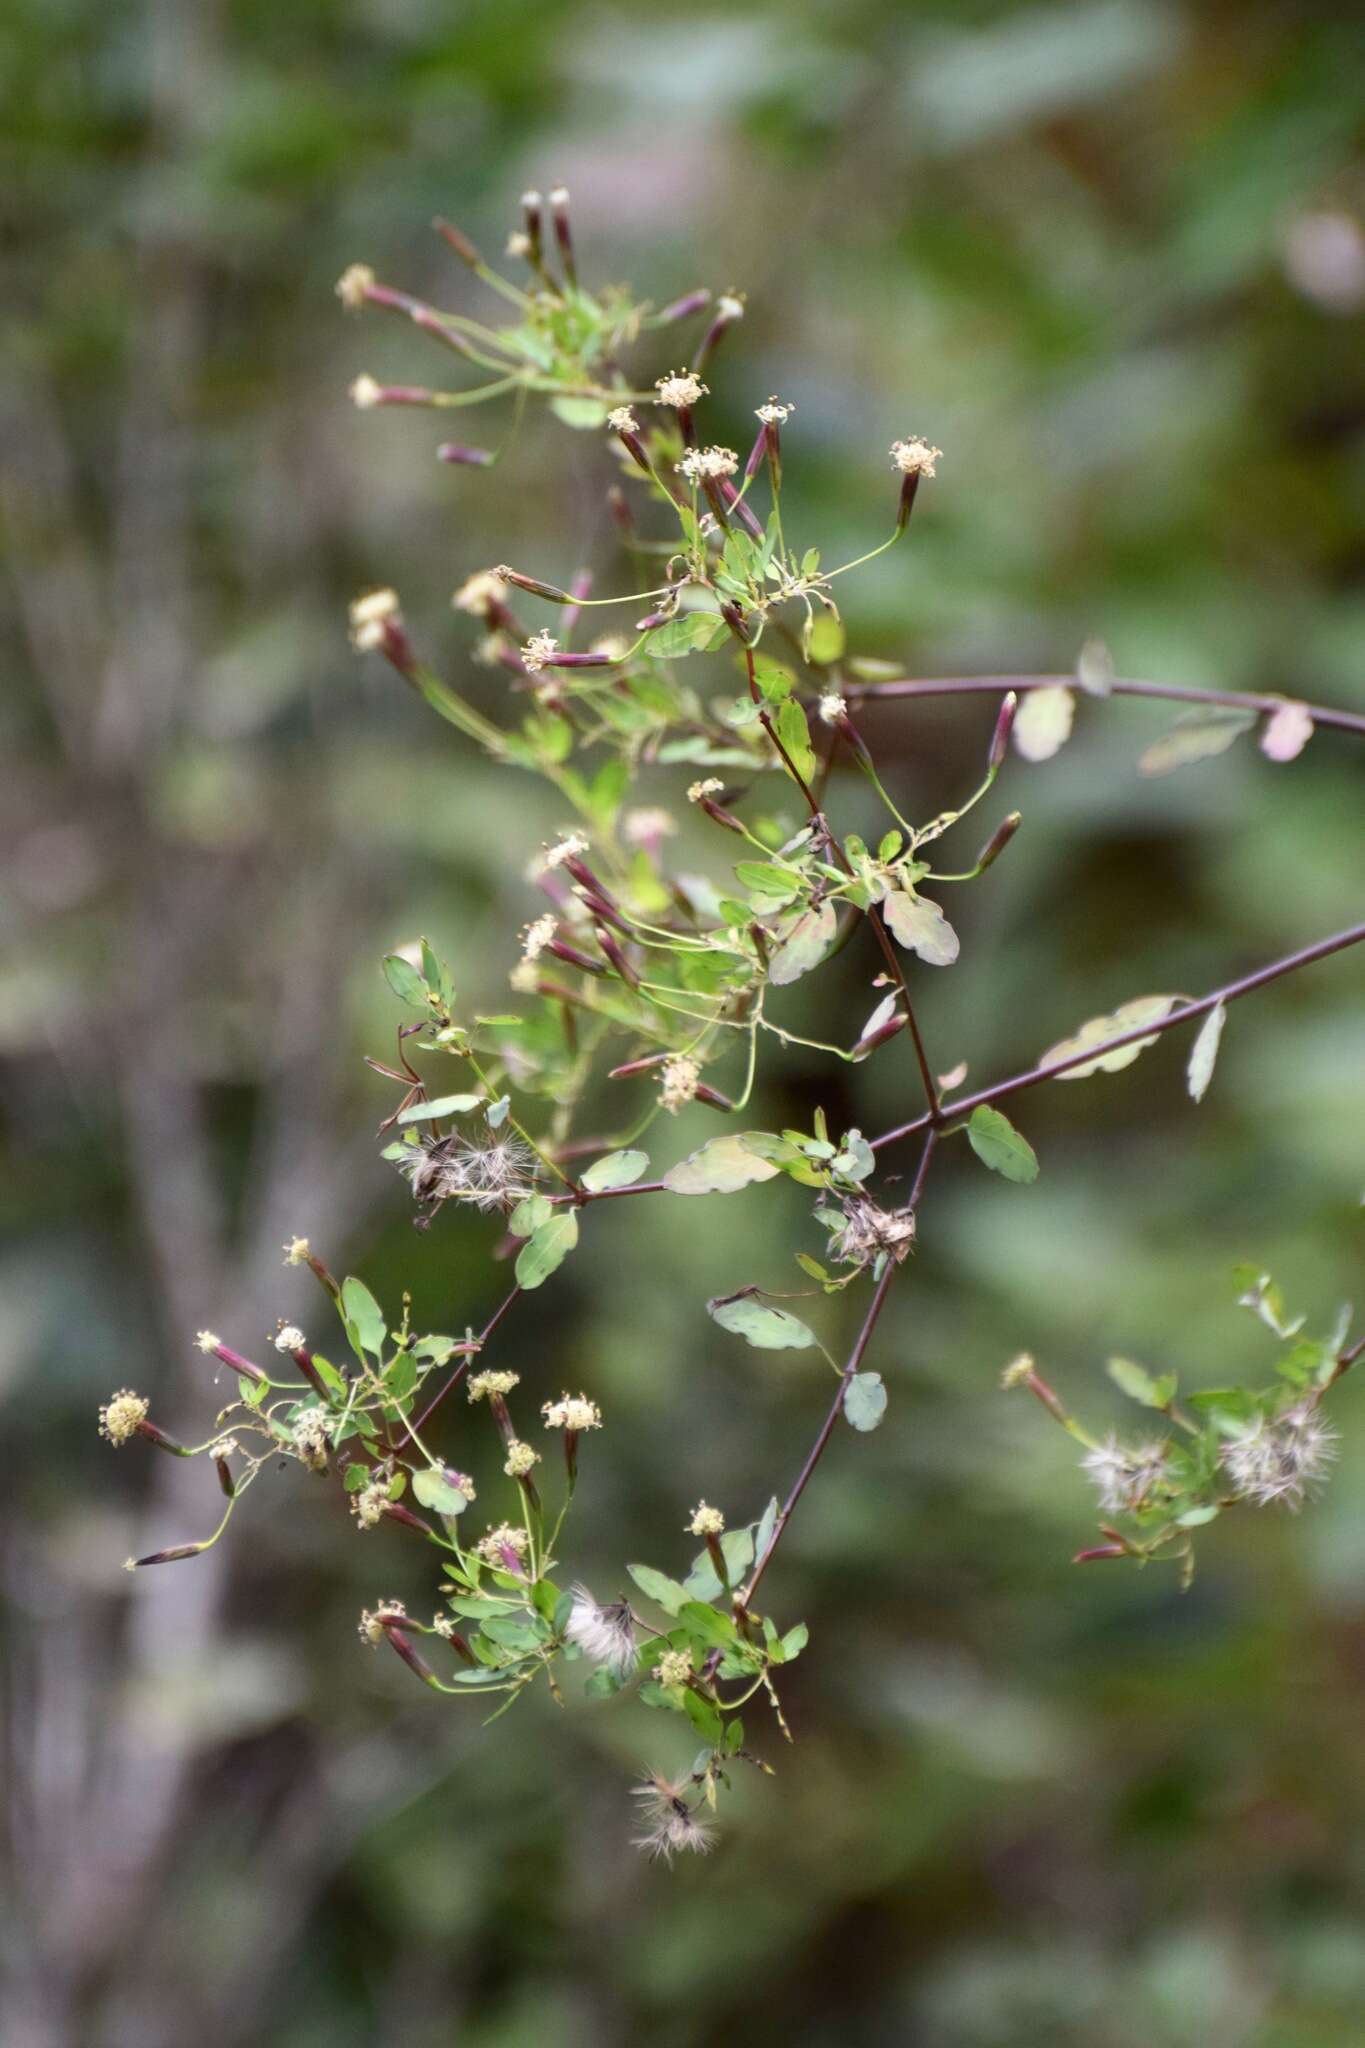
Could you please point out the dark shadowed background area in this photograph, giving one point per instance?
(1109, 255)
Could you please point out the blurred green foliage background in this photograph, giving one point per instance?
(1108, 254)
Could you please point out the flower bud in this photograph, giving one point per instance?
(998, 841)
(1000, 737)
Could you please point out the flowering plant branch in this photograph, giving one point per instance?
(674, 982)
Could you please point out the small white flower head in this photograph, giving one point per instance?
(208, 1340)
(672, 1827)
(371, 1624)
(774, 413)
(524, 978)
(371, 1503)
(680, 390)
(444, 1626)
(539, 649)
(518, 243)
(869, 1230)
(572, 1412)
(705, 1521)
(710, 786)
(1123, 1477)
(504, 1546)
(1283, 1462)
(832, 707)
(729, 306)
(312, 1438)
(699, 464)
(226, 1447)
(605, 1635)
(366, 393)
(297, 1252)
(520, 1459)
(353, 284)
(647, 825)
(566, 849)
(673, 1668)
(479, 592)
(289, 1338)
(538, 935)
(369, 616)
(678, 1080)
(915, 457)
(122, 1415)
(492, 1383)
(622, 420)
(559, 195)
(1018, 1372)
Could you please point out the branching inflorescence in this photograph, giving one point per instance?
(672, 984)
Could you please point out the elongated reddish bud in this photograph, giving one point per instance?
(1000, 737)
(879, 1036)
(549, 591)
(472, 458)
(411, 1657)
(998, 841)
(691, 302)
(459, 242)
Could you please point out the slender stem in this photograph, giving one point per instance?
(855, 1358)
(463, 1367)
(965, 1104)
(965, 686)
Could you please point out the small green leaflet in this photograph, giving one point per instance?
(1195, 737)
(615, 1170)
(434, 1490)
(405, 981)
(444, 1105)
(1128, 1017)
(362, 1315)
(528, 1216)
(1204, 1053)
(718, 1167)
(794, 734)
(998, 1145)
(772, 884)
(921, 927)
(767, 1329)
(681, 636)
(1139, 1385)
(826, 642)
(805, 945)
(659, 1588)
(547, 1248)
(1043, 724)
(864, 1400)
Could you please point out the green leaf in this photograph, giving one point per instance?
(401, 1376)
(1128, 1017)
(547, 1248)
(362, 1314)
(1139, 1385)
(357, 1478)
(772, 678)
(579, 412)
(921, 927)
(615, 1170)
(737, 1548)
(805, 944)
(434, 1490)
(405, 981)
(794, 1642)
(719, 1167)
(998, 1145)
(794, 734)
(1195, 737)
(1204, 1053)
(1043, 724)
(682, 636)
(444, 1105)
(774, 884)
(826, 639)
(864, 1400)
(704, 1718)
(529, 1215)
(659, 1588)
(767, 1329)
